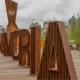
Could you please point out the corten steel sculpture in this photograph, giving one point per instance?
(11, 8)
(24, 47)
(14, 41)
(0, 42)
(5, 47)
(35, 49)
(56, 63)
(4, 44)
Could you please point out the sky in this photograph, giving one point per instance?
(40, 10)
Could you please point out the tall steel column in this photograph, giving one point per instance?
(35, 49)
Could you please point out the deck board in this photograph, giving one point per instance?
(10, 70)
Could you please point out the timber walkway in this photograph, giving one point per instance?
(76, 61)
(10, 70)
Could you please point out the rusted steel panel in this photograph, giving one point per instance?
(24, 47)
(4, 44)
(14, 11)
(35, 49)
(6, 48)
(8, 8)
(56, 63)
(0, 42)
(14, 42)
(11, 8)
(67, 52)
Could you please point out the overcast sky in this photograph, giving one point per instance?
(41, 10)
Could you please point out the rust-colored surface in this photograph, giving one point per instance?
(7, 49)
(11, 8)
(4, 44)
(0, 42)
(35, 49)
(14, 38)
(24, 47)
(56, 63)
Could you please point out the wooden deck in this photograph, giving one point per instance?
(76, 60)
(10, 70)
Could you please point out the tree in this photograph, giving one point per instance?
(75, 34)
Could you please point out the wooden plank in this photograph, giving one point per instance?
(10, 70)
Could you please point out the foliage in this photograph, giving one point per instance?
(75, 34)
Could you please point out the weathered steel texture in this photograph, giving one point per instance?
(14, 38)
(11, 8)
(56, 63)
(24, 47)
(8, 9)
(0, 42)
(6, 48)
(14, 11)
(35, 49)
(4, 44)
(67, 52)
